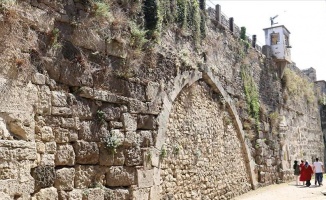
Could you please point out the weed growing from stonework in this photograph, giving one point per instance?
(54, 36)
(243, 33)
(149, 157)
(322, 100)
(100, 116)
(186, 13)
(138, 36)
(111, 143)
(176, 149)
(101, 8)
(163, 152)
(251, 92)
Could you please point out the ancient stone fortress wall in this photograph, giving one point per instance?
(202, 149)
(77, 122)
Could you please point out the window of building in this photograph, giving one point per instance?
(275, 38)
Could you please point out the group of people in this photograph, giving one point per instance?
(305, 171)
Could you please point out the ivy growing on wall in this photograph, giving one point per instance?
(151, 14)
(251, 92)
(186, 13)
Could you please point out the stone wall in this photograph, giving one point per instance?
(321, 88)
(202, 149)
(85, 115)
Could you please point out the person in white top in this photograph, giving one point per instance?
(318, 169)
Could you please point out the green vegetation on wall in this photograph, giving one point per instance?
(151, 14)
(243, 33)
(251, 92)
(298, 86)
(101, 9)
(186, 13)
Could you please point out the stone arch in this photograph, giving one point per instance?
(186, 79)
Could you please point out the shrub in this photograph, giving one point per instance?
(138, 36)
(112, 142)
(243, 33)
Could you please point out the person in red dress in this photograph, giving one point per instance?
(301, 166)
(307, 172)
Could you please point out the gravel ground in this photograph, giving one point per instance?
(286, 191)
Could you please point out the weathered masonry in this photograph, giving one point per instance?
(145, 100)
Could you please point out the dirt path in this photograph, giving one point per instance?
(285, 191)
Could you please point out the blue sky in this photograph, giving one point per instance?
(306, 20)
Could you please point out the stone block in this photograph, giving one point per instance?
(63, 195)
(75, 195)
(52, 121)
(65, 155)
(65, 179)
(121, 176)
(146, 122)
(145, 178)
(154, 108)
(86, 92)
(140, 193)
(72, 123)
(93, 194)
(129, 122)
(115, 125)
(50, 147)
(83, 108)
(44, 176)
(155, 192)
(47, 134)
(92, 131)
(152, 90)
(133, 156)
(106, 96)
(47, 194)
(137, 106)
(47, 159)
(116, 194)
(111, 112)
(65, 135)
(89, 176)
(86, 152)
(109, 158)
(38, 79)
(58, 99)
(146, 138)
(24, 154)
(40, 147)
(61, 111)
(44, 103)
(157, 176)
(132, 139)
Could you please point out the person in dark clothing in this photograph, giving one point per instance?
(296, 169)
